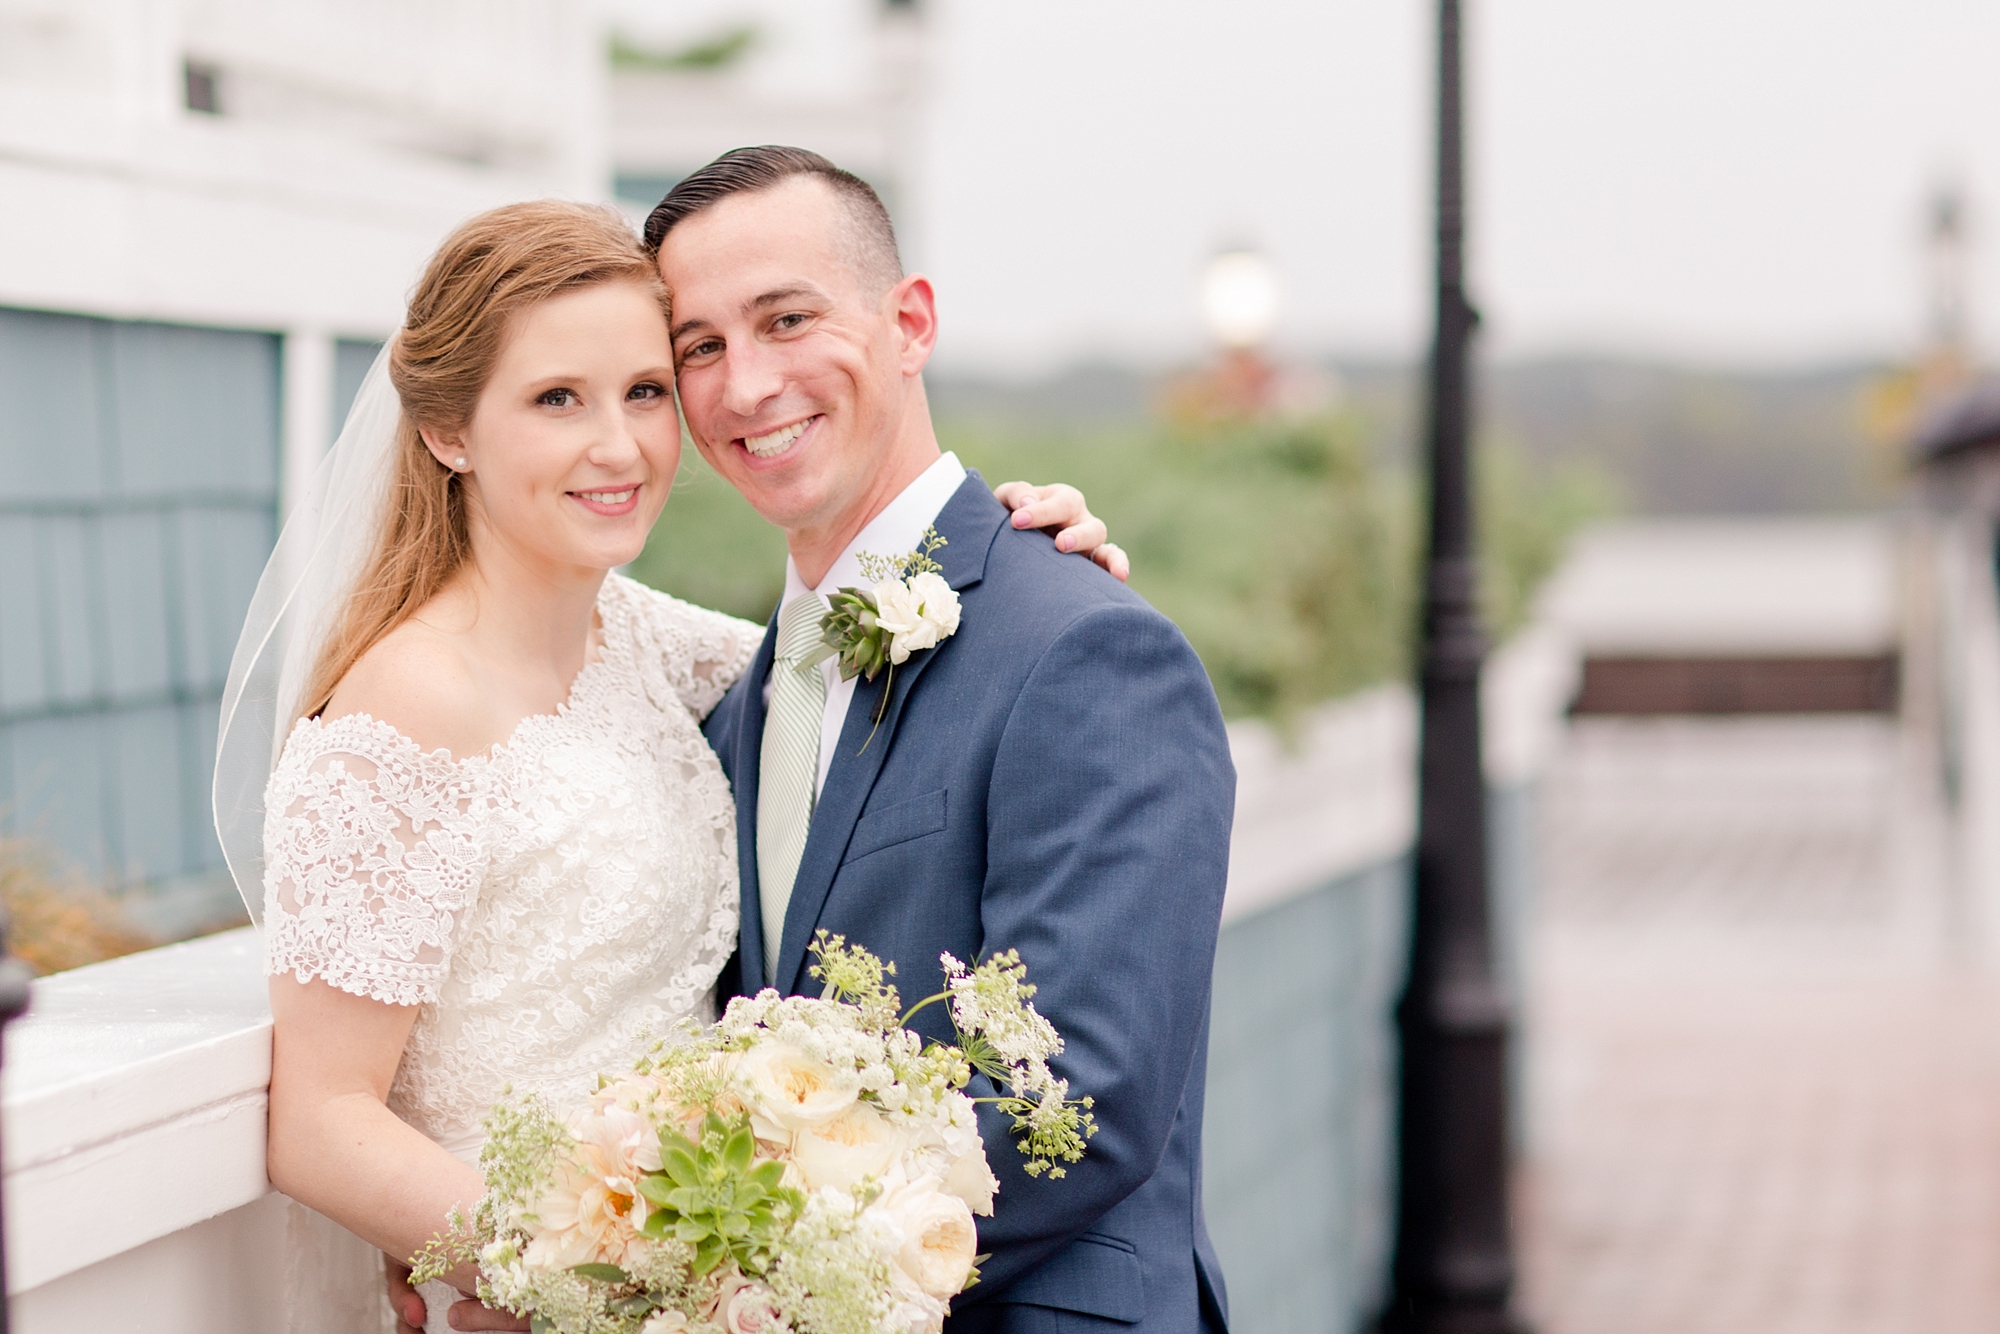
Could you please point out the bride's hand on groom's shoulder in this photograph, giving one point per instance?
(1062, 508)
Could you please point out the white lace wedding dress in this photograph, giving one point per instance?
(552, 906)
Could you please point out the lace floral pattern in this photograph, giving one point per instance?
(552, 905)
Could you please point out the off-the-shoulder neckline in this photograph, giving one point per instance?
(582, 689)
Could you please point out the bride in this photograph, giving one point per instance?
(461, 775)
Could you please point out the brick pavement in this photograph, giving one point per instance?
(1764, 1090)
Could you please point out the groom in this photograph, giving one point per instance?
(956, 824)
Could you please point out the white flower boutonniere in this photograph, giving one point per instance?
(910, 608)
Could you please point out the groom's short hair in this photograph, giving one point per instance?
(871, 238)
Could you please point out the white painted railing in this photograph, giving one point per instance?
(134, 1091)
(134, 1139)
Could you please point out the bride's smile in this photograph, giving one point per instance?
(610, 503)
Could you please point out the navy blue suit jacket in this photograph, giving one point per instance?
(1054, 778)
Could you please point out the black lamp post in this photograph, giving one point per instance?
(1453, 1272)
(14, 977)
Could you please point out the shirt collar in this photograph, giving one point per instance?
(898, 528)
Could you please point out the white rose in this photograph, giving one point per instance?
(898, 611)
(668, 1321)
(970, 1178)
(939, 604)
(938, 1238)
(790, 1090)
(858, 1143)
(916, 614)
(953, 1149)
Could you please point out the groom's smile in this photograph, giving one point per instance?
(774, 445)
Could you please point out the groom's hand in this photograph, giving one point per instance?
(411, 1313)
(1062, 509)
(404, 1300)
(471, 1315)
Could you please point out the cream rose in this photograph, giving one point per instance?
(858, 1143)
(915, 1312)
(621, 1144)
(751, 1309)
(789, 1090)
(938, 1238)
(583, 1220)
(668, 1321)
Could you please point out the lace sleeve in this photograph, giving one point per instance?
(372, 858)
(702, 652)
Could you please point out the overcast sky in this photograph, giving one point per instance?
(1717, 181)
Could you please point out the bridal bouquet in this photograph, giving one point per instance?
(806, 1165)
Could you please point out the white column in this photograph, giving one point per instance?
(308, 412)
(144, 39)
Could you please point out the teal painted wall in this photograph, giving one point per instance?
(138, 502)
(1300, 1124)
(1299, 1143)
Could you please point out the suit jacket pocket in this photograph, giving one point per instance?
(897, 824)
(1095, 1274)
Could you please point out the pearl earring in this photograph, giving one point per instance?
(459, 463)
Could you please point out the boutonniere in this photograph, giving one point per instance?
(910, 608)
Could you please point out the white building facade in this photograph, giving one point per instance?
(210, 214)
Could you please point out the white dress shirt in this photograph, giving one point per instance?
(897, 529)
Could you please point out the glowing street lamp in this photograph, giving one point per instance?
(1239, 298)
(1239, 301)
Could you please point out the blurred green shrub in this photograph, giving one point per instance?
(1278, 548)
(711, 548)
(1283, 549)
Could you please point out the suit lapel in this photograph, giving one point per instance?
(749, 749)
(968, 524)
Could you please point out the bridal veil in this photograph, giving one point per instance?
(333, 1281)
(320, 554)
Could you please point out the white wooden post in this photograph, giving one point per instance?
(308, 411)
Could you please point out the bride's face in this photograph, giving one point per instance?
(574, 442)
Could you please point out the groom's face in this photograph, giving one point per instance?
(795, 369)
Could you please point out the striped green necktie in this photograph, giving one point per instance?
(788, 766)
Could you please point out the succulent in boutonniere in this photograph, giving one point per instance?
(908, 609)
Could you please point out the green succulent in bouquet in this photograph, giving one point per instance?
(710, 1195)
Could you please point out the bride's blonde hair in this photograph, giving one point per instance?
(488, 271)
